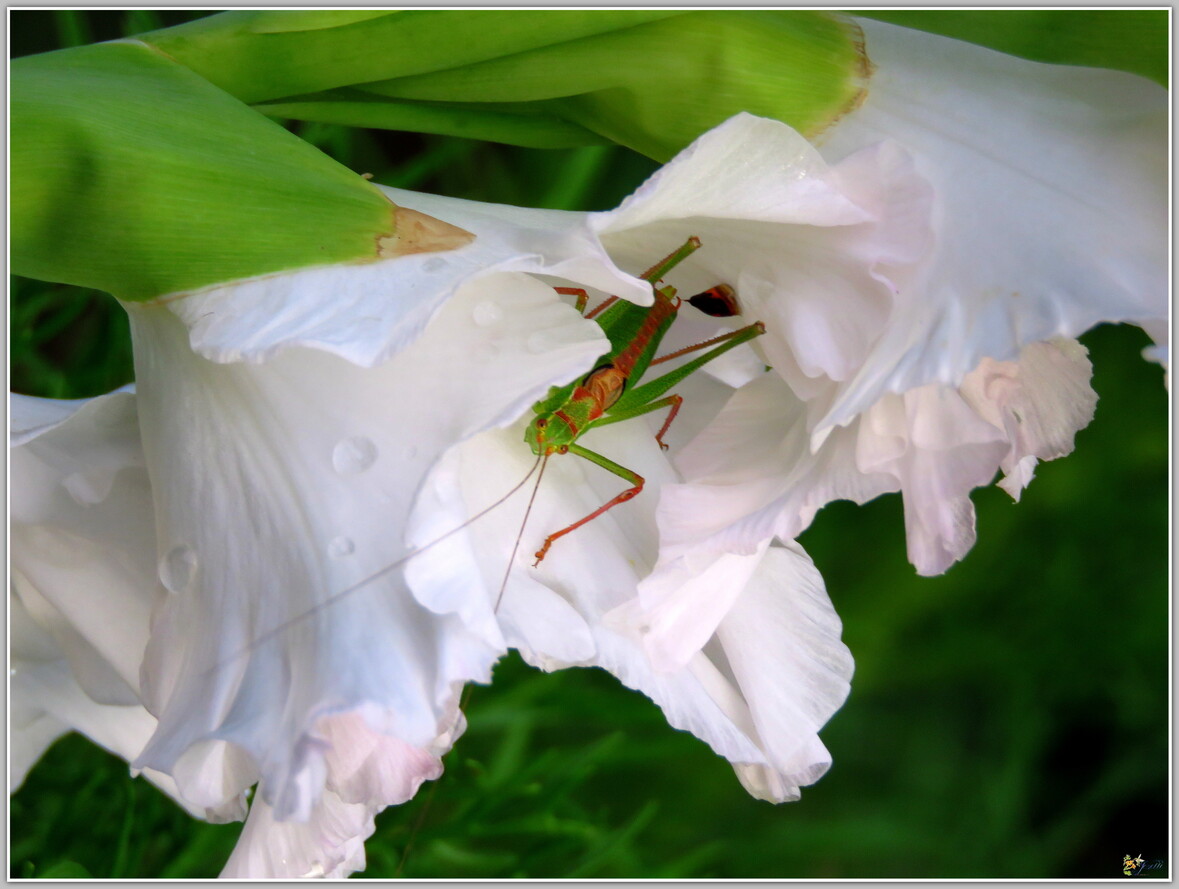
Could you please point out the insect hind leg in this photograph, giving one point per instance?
(636, 480)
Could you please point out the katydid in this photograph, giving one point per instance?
(605, 395)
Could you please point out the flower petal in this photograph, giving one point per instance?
(76, 562)
(364, 313)
(947, 450)
(1051, 204)
(816, 252)
(596, 570)
(329, 844)
(282, 537)
(781, 641)
(82, 535)
(752, 473)
(684, 600)
(1041, 401)
(369, 767)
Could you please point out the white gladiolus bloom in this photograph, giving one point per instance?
(1050, 206)
(1045, 200)
(300, 435)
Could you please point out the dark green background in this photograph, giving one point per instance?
(1008, 719)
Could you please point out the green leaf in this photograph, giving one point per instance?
(1134, 40)
(530, 128)
(312, 19)
(655, 87)
(651, 80)
(130, 174)
(263, 55)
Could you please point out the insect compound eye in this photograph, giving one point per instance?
(541, 422)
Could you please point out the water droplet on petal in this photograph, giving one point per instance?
(411, 452)
(178, 568)
(353, 455)
(487, 313)
(434, 264)
(341, 547)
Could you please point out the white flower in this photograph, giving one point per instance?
(302, 433)
(286, 436)
(1045, 200)
(279, 483)
(1050, 208)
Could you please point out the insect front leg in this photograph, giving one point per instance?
(582, 297)
(621, 471)
(583, 300)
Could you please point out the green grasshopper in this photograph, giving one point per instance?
(605, 395)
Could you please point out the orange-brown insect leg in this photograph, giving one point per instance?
(582, 296)
(636, 480)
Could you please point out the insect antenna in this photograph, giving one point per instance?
(420, 819)
(377, 575)
(544, 461)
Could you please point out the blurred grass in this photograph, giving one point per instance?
(1008, 719)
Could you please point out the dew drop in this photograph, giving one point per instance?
(487, 313)
(178, 568)
(411, 452)
(341, 547)
(434, 264)
(353, 455)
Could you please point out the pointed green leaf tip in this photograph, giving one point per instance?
(133, 175)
